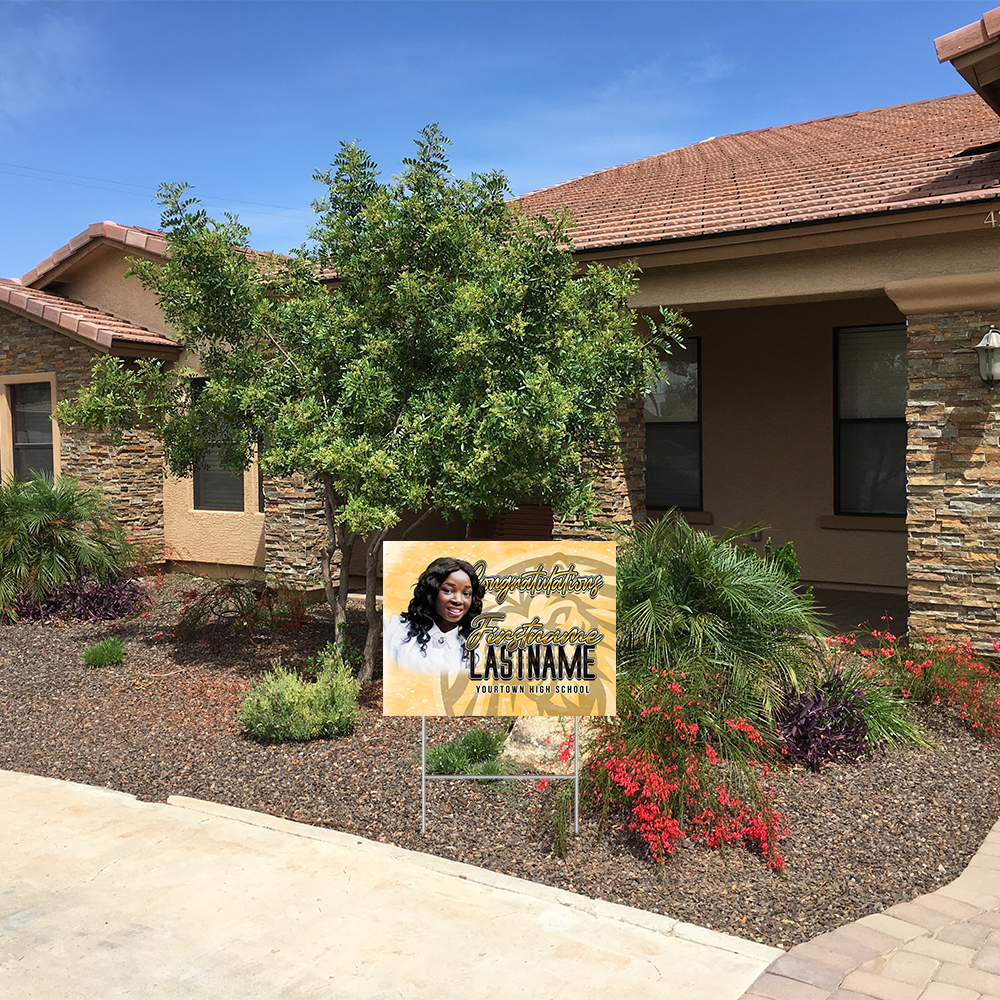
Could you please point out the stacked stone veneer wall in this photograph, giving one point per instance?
(953, 481)
(294, 534)
(621, 487)
(130, 474)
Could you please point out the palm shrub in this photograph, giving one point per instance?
(53, 531)
(686, 594)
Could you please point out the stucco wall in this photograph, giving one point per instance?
(98, 280)
(768, 437)
(216, 542)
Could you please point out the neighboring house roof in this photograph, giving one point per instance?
(133, 237)
(90, 326)
(975, 52)
(887, 160)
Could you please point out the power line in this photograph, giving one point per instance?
(139, 190)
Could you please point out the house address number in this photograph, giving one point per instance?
(992, 220)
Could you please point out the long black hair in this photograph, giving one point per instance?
(420, 614)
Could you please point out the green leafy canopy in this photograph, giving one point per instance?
(454, 359)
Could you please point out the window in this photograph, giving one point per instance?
(31, 428)
(215, 487)
(673, 431)
(871, 421)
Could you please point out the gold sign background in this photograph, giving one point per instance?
(408, 693)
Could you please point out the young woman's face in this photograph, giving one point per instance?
(454, 598)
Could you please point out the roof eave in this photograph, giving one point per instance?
(974, 51)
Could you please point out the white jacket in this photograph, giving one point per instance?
(443, 654)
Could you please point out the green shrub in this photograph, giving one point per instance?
(687, 595)
(782, 558)
(710, 638)
(104, 653)
(283, 706)
(482, 745)
(449, 758)
(884, 708)
(52, 531)
(476, 751)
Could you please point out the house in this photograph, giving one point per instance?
(838, 274)
(55, 321)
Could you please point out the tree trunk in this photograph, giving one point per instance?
(338, 539)
(373, 640)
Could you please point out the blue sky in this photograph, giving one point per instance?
(101, 102)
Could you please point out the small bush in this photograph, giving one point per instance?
(105, 653)
(826, 723)
(247, 603)
(932, 670)
(449, 758)
(482, 745)
(283, 707)
(476, 751)
(52, 532)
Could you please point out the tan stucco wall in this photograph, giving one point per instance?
(768, 433)
(97, 280)
(213, 537)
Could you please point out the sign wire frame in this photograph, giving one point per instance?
(575, 776)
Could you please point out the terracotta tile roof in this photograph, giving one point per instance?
(886, 160)
(152, 241)
(133, 237)
(80, 322)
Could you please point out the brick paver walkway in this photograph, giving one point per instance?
(942, 946)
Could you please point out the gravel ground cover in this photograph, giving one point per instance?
(861, 838)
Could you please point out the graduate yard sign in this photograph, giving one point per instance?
(499, 628)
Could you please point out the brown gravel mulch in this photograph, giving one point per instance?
(861, 838)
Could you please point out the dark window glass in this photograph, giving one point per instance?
(31, 411)
(215, 487)
(871, 421)
(673, 432)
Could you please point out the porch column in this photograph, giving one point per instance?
(952, 458)
(620, 487)
(294, 533)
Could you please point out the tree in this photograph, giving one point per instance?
(432, 348)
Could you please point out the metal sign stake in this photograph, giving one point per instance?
(574, 777)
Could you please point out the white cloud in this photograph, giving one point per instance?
(43, 62)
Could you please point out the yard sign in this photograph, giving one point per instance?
(543, 642)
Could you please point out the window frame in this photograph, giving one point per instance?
(839, 422)
(689, 342)
(7, 420)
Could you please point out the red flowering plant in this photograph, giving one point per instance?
(711, 635)
(673, 765)
(931, 670)
(244, 603)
